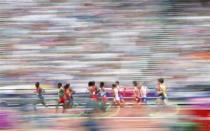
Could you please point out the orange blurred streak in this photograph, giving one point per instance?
(200, 55)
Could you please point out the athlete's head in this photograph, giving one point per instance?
(67, 86)
(101, 84)
(59, 85)
(37, 84)
(161, 80)
(91, 83)
(117, 82)
(135, 83)
(114, 86)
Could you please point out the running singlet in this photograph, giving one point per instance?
(136, 92)
(163, 89)
(102, 93)
(116, 94)
(144, 91)
(67, 94)
(120, 92)
(39, 92)
(93, 93)
(61, 96)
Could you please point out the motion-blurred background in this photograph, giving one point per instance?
(81, 40)
(106, 40)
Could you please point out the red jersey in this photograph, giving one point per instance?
(93, 93)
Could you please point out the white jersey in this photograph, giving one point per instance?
(116, 94)
(143, 91)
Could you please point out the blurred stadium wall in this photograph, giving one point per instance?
(104, 40)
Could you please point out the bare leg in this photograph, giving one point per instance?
(35, 103)
(43, 103)
(34, 107)
(64, 107)
(158, 101)
(122, 103)
(114, 102)
(57, 105)
(67, 105)
(118, 103)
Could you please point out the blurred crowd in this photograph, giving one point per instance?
(80, 40)
(76, 41)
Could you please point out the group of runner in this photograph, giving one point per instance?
(118, 93)
(65, 96)
(65, 93)
(140, 92)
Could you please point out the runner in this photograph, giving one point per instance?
(61, 99)
(116, 95)
(143, 93)
(71, 98)
(39, 92)
(161, 91)
(136, 92)
(103, 93)
(117, 83)
(67, 95)
(93, 91)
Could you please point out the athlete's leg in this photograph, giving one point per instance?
(34, 105)
(64, 107)
(122, 102)
(57, 105)
(164, 100)
(70, 103)
(144, 100)
(159, 100)
(43, 102)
